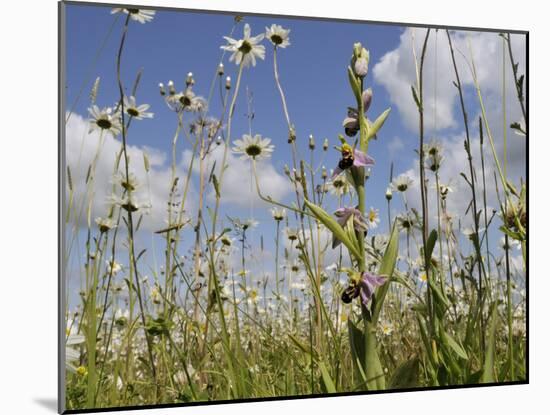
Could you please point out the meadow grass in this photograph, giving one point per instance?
(411, 308)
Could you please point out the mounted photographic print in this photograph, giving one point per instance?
(275, 207)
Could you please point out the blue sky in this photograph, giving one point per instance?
(313, 74)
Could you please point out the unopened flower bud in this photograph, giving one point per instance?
(311, 142)
(324, 173)
(388, 193)
(228, 82)
(220, 69)
(162, 89)
(366, 96)
(325, 144)
(361, 67)
(360, 60)
(291, 135)
(190, 81)
(171, 88)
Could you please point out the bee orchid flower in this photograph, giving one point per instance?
(346, 213)
(352, 157)
(363, 287)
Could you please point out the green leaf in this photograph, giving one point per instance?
(430, 244)
(334, 227)
(453, 344)
(386, 268)
(406, 374)
(327, 380)
(355, 86)
(216, 185)
(416, 99)
(357, 345)
(441, 302)
(488, 365)
(377, 125)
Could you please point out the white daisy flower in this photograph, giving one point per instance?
(185, 100)
(340, 186)
(373, 219)
(444, 190)
(512, 243)
(387, 328)
(245, 50)
(401, 183)
(278, 213)
(433, 148)
(130, 184)
(105, 224)
(253, 147)
(245, 224)
(72, 355)
(298, 286)
(103, 119)
(139, 15)
(405, 222)
(277, 35)
(128, 202)
(113, 267)
(291, 234)
(139, 112)
(470, 232)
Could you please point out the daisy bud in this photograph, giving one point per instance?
(311, 142)
(220, 69)
(324, 173)
(388, 193)
(228, 82)
(162, 89)
(325, 144)
(291, 135)
(171, 88)
(190, 81)
(219, 140)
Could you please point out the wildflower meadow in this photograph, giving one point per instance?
(272, 207)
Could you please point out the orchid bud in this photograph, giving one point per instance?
(361, 67)
(366, 96)
(360, 60)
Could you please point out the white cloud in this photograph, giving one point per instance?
(396, 71)
(239, 185)
(82, 147)
(395, 145)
